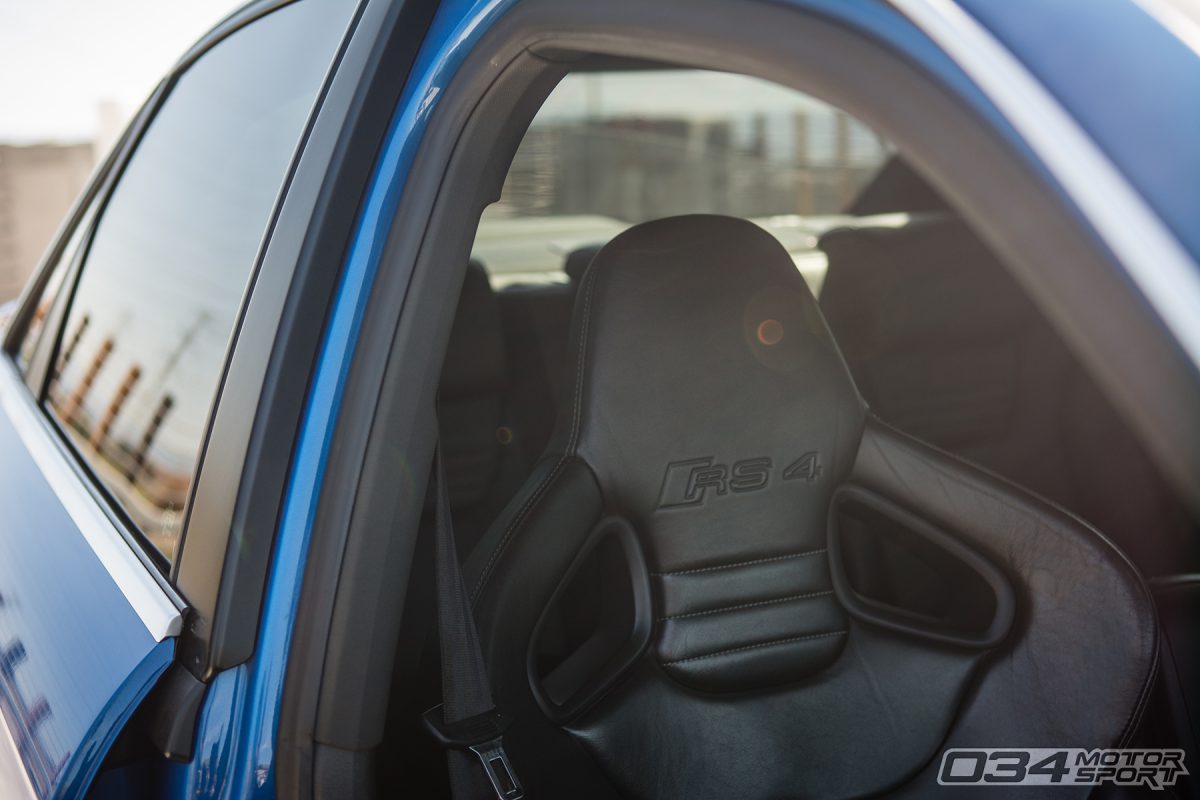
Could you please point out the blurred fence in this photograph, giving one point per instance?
(635, 170)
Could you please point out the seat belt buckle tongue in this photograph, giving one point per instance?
(483, 735)
(499, 770)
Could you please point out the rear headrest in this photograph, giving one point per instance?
(695, 338)
(475, 353)
(577, 261)
(889, 285)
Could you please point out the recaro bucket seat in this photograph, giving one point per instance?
(727, 579)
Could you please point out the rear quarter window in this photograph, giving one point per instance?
(145, 339)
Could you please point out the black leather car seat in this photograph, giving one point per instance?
(944, 345)
(483, 467)
(727, 578)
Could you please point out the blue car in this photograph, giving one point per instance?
(675, 399)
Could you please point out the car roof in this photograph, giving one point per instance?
(232, 21)
(1128, 75)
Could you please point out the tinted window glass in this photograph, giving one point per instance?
(611, 149)
(37, 323)
(145, 341)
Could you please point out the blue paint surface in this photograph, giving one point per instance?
(75, 658)
(1132, 86)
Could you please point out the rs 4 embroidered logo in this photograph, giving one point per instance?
(691, 482)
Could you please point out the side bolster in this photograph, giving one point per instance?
(1083, 652)
(513, 572)
(561, 493)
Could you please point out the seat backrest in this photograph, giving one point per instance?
(944, 345)
(483, 468)
(727, 577)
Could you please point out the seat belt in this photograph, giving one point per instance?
(467, 720)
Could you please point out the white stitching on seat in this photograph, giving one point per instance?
(572, 440)
(715, 567)
(740, 606)
(772, 643)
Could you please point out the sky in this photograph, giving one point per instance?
(61, 59)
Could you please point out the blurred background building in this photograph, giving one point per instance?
(635, 168)
(71, 74)
(38, 183)
(619, 147)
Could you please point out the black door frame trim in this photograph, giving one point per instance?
(238, 497)
(208, 569)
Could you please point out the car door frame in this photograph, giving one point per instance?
(119, 553)
(355, 575)
(235, 660)
(216, 583)
(194, 577)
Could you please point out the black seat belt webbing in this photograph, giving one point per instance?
(467, 719)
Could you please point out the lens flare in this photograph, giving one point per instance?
(770, 331)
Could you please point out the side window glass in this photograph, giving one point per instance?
(37, 323)
(145, 341)
(611, 149)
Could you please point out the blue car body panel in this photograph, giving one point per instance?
(1152, 137)
(75, 657)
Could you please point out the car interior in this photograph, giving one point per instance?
(807, 472)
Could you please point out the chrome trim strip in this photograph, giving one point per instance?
(157, 610)
(1164, 272)
(14, 778)
(1178, 18)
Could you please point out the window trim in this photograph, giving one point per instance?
(221, 490)
(37, 369)
(50, 340)
(82, 212)
(91, 214)
(120, 550)
(156, 603)
(226, 552)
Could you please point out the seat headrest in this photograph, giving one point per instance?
(696, 339)
(475, 353)
(577, 261)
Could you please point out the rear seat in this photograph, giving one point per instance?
(578, 260)
(537, 322)
(945, 346)
(499, 388)
(483, 467)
